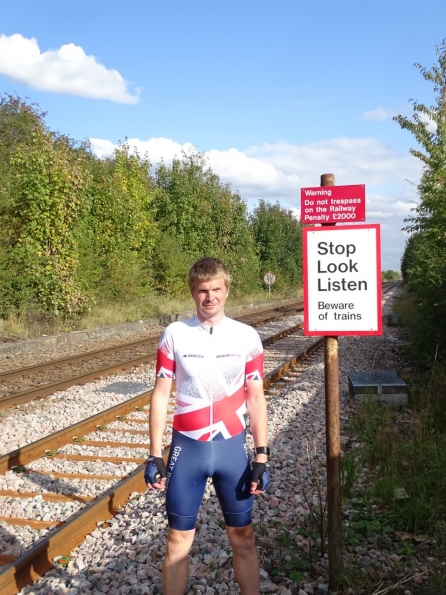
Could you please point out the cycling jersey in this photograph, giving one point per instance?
(211, 366)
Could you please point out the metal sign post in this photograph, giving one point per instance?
(269, 279)
(333, 448)
(342, 296)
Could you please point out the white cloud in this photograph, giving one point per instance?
(66, 70)
(430, 124)
(277, 172)
(157, 149)
(102, 147)
(379, 114)
(377, 215)
(252, 176)
(353, 161)
(405, 207)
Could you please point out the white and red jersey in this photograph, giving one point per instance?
(211, 366)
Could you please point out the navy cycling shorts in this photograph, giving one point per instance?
(190, 464)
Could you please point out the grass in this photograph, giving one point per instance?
(403, 448)
(405, 454)
(32, 323)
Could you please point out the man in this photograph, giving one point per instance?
(218, 366)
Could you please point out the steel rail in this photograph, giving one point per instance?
(74, 358)
(282, 371)
(69, 534)
(47, 389)
(39, 559)
(23, 455)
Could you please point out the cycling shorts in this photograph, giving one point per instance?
(191, 463)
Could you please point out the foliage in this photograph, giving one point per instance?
(17, 122)
(205, 217)
(408, 451)
(47, 185)
(401, 449)
(80, 232)
(390, 275)
(278, 237)
(349, 474)
(120, 225)
(279, 552)
(424, 260)
(170, 265)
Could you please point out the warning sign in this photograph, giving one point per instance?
(342, 280)
(333, 204)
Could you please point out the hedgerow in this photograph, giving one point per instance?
(78, 230)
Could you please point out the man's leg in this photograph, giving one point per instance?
(176, 562)
(246, 563)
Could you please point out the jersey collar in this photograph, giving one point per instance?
(208, 328)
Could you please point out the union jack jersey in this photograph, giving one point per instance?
(211, 366)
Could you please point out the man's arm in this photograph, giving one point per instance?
(258, 419)
(157, 418)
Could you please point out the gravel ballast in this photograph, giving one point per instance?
(125, 556)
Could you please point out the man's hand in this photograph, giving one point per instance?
(260, 478)
(155, 473)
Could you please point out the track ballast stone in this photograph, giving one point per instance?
(125, 557)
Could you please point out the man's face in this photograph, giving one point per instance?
(210, 298)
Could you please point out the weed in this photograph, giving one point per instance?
(316, 497)
(280, 552)
(349, 474)
(406, 550)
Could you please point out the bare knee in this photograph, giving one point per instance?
(241, 538)
(179, 543)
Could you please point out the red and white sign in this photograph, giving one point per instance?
(342, 280)
(333, 204)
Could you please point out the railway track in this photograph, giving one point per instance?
(26, 384)
(124, 426)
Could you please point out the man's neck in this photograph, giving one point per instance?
(213, 320)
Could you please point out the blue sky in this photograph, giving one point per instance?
(276, 93)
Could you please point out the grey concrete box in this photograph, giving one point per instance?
(384, 387)
(391, 319)
(394, 320)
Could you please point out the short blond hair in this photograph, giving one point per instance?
(209, 268)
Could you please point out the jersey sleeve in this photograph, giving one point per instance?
(254, 362)
(165, 357)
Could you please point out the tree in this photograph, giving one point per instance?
(18, 120)
(203, 217)
(47, 184)
(424, 261)
(278, 237)
(390, 275)
(119, 231)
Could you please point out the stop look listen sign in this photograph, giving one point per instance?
(342, 280)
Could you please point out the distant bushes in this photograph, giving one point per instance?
(279, 243)
(77, 230)
(390, 275)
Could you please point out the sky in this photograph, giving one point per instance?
(274, 93)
